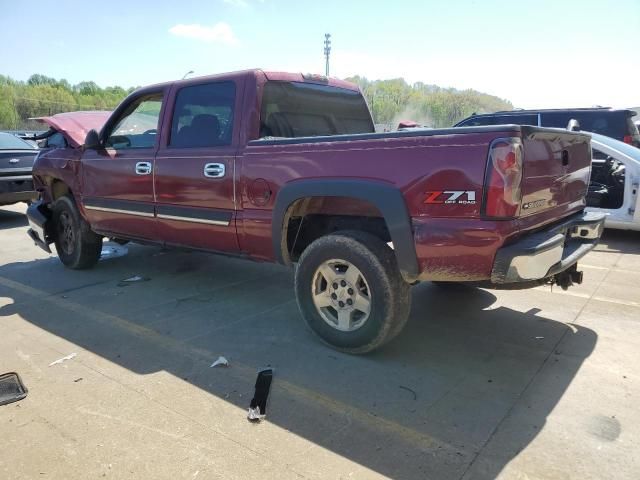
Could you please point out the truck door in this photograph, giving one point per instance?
(117, 192)
(195, 168)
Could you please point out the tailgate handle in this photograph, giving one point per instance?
(565, 158)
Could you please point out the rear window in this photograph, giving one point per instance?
(295, 109)
(612, 124)
(11, 142)
(514, 119)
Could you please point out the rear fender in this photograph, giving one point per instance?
(386, 198)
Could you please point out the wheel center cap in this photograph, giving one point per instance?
(343, 295)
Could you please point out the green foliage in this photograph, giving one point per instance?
(42, 96)
(393, 100)
(390, 101)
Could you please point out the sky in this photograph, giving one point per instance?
(537, 54)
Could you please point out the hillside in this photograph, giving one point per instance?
(390, 100)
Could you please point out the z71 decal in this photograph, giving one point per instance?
(448, 197)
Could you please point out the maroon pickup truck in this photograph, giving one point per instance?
(287, 168)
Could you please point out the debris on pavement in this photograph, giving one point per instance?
(415, 395)
(539, 338)
(113, 251)
(134, 279)
(220, 362)
(258, 405)
(63, 359)
(11, 388)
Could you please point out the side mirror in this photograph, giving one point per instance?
(92, 142)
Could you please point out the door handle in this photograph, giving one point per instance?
(143, 168)
(214, 170)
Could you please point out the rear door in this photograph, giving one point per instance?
(195, 167)
(118, 179)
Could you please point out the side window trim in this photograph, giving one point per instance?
(119, 114)
(235, 113)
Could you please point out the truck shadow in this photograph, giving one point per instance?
(624, 241)
(425, 406)
(11, 219)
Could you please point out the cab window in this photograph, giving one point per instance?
(203, 116)
(299, 109)
(137, 127)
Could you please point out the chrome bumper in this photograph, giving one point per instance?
(547, 253)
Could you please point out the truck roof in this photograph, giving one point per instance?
(268, 75)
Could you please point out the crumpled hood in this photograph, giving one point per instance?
(75, 125)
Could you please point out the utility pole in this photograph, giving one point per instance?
(327, 52)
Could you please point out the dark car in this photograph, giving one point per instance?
(16, 162)
(610, 122)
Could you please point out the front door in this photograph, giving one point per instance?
(118, 178)
(195, 168)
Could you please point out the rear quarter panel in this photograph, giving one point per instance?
(415, 165)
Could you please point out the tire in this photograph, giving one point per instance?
(78, 247)
(375, 283)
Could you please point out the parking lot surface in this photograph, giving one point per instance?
(481, 384)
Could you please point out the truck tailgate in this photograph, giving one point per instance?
(556, 170)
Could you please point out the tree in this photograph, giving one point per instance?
(38, 79)
(430, 105)
(87, 88)
(389, 100)
(42, 96)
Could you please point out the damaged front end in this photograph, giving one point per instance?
(40, 225)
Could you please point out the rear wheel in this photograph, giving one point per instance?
(350, 291)
(78, 247)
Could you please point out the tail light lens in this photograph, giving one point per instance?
(504, 178)
(628, 139)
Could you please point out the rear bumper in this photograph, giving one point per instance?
(39, 225)
(546, 253)
(16, 189)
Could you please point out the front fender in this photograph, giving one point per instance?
(61, 164)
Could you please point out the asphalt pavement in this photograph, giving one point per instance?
(534, 384)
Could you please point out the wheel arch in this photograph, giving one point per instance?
(386, 198)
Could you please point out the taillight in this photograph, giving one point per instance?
(504, 178)
(628, 139)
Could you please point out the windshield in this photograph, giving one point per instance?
(9, 141)
(296, 109)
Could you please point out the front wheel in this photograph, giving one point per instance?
(350, 291)
(77, 245)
